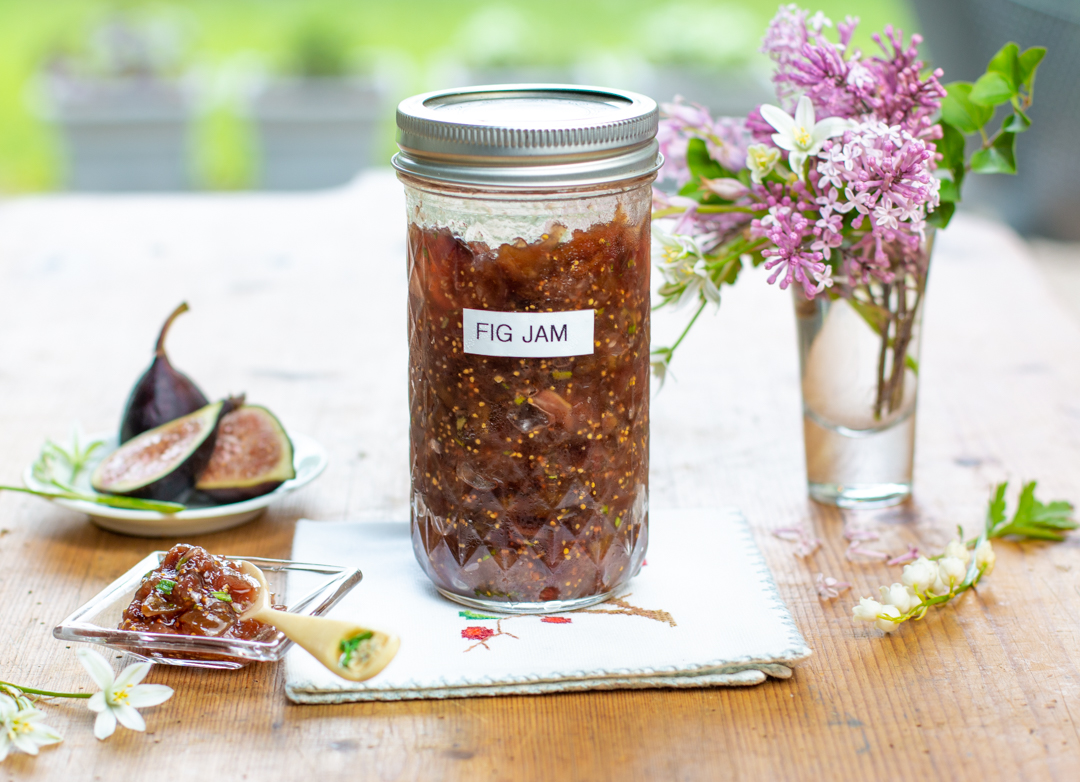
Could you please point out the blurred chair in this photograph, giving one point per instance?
(962, 36)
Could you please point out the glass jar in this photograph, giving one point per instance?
(528, 258)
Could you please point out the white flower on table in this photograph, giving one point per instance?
(920, 575)
(985, 557)
(957, 549)
(122, 695)
(21, 727)
(800, 135)
(903, 597)
(952, 571)
(869, 610)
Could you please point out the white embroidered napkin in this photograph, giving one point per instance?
(703, 612)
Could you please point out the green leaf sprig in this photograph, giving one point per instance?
(969, 107)
(74, 461)
(1032, 520)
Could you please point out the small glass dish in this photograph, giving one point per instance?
(97, 621)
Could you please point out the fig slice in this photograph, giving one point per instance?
(162, 394)
(253, 456)
(163, 463)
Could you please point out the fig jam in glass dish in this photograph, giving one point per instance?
(312, 590)
(529, 353)
(193, 592)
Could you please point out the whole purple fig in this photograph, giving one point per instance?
(162, 394)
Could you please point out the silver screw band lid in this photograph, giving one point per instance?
(527, 135)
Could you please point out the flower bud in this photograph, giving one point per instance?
(920, 574)
(952, 571)
(900, 596)
(761, 159)
(867, 610)
(985, 557)
(884, 625)
(959, 550)
(727, 188)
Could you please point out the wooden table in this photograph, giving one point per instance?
(300, 301)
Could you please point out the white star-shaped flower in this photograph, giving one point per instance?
(800, 135)
(21, 728)
(122, 695)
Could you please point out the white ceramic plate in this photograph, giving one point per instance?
(309, 458)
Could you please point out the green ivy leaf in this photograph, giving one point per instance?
(951, 147)
(701, 163)
(992, 89)
(958, 110)
(1028, 63)
(1017, 122)
(941, 216)
(950, 191)
(997, 159)
(1006, 63)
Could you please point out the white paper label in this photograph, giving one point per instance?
(528, 334)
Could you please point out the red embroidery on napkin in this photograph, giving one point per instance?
(617, 606)
(483, 634)
(477, 633)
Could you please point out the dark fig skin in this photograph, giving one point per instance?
(162, 394)
(229, 496)
(175, 484)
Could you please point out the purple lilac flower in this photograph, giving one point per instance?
(786, 229)
(760, 131)
(883, 173)
(869, 191)
(836, 86)
(902, 97)
(783, 42)
(841, 83)
(829, 588)
(726, 138)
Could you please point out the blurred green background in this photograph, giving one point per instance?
(220, 46)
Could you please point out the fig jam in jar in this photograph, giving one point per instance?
(528, 257)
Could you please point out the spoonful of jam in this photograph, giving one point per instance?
(350, 650)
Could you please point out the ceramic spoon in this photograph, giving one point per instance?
(350, 650)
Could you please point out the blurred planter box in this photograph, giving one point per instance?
(725, 92)
(317, 132)
(123, 134)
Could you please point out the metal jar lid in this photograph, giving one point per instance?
(527, 136)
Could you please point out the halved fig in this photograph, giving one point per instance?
(252, 457)
(163, 463)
